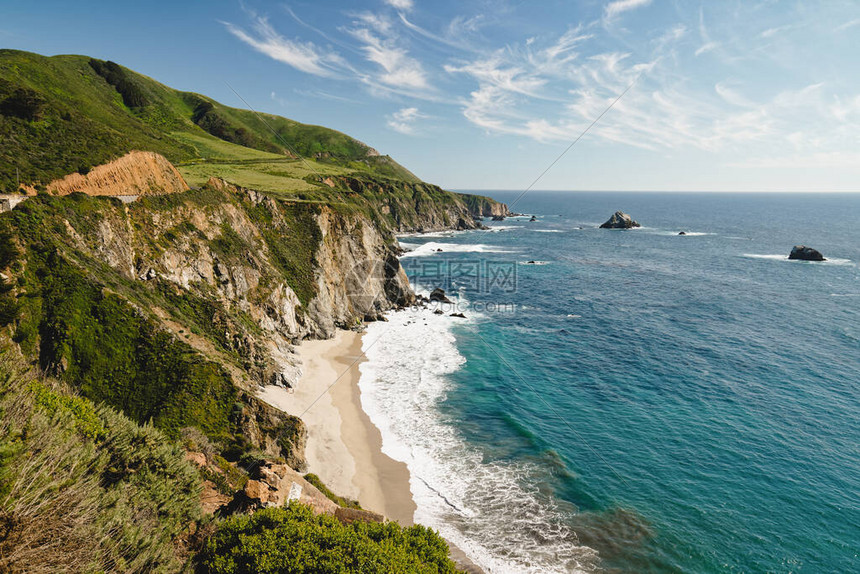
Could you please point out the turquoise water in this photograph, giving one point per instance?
(677, 404)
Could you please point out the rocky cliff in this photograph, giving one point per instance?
(199, 296)
(406, 206)
(482, 206)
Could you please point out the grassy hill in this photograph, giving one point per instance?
(63, 114)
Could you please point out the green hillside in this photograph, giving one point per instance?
(63, 114)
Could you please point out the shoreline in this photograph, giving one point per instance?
(344, 446)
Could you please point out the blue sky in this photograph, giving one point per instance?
(479, 94)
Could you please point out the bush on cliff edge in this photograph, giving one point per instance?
(83, 488)
(292, 540)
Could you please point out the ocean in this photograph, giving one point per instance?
(633, 400)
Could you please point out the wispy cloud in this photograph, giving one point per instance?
(732, 96)
(846, 25)
(498, 73)
(771, 32)
(454, 37)
(380, 44)
(404, 5)
(548, 87)
(659, 113)
(403, 120)
(706, 47)
(303, 56)
(613, 9)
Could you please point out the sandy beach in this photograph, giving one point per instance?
(344, 447)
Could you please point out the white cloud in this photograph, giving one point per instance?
(844, 110)
(846, 25)
(465, 24)
(771, 32)
(404, 5)
(517, 94)
(549, 88)
(615, 8)
(381, 46)
(303, 56)
(403, 120)
(707, 47)
(455, 36)
(494, 71)
(731, 96)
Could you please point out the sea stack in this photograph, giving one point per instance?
(804, 253)
(619, 220)
(438, 296)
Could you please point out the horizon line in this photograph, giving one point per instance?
(750, 191)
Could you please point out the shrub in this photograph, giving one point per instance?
(82, 488)
(207, 117)
(294, 540)
(83, 413)
(23, 103)
(132, 96)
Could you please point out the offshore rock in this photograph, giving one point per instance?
(804, 253)
(438, 295)
(619, 220)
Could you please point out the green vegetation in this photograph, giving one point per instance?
(294, 540)
(115, 354)
(339, 500)
(131, 94)
(292, 236)
(86, 323)
(82, 488)
(84, 415)
(81, 120)
(64, 114)
(23, 103)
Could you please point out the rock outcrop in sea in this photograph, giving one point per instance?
(619, 220)
(804, 253)
(438, 296)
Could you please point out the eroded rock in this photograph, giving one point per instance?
(619, 220)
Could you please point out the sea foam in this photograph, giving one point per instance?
(491, 511)
(432, 248)
(776, 257)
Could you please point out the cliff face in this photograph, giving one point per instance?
(177, 306)
(403, 206)
(482, 206)
(136, 173)
(225, 244)
(358, 274)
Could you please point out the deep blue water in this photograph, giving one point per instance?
(689, 405)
